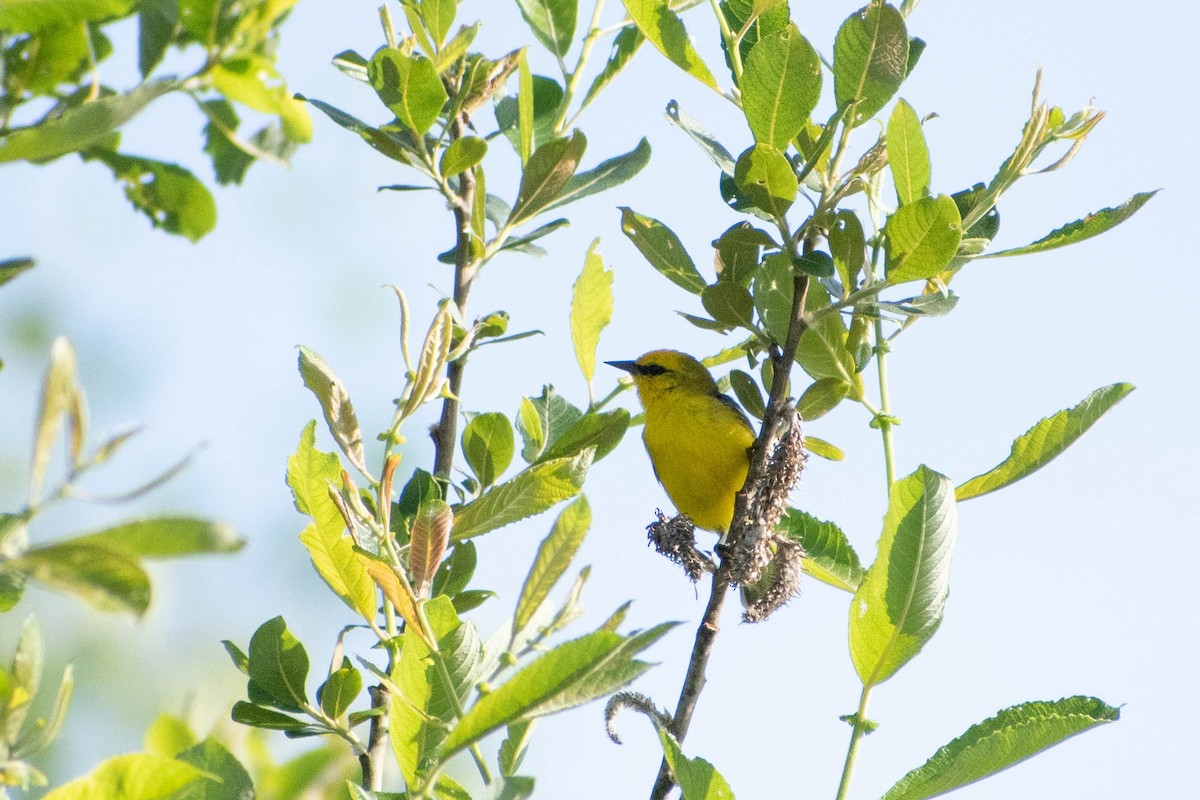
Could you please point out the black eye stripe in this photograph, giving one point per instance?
(651, 369)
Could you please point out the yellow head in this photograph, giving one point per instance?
(659, 373)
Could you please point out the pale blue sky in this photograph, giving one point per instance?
(1058, 582)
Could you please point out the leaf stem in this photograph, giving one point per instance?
(859, 726)
(589, 42)
(732, 42)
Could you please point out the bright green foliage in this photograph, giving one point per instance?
(625, 45)
(908, 155)
(663, 28)
(462, 155)
(898, 604)
(821, 397)
(132, 777)
(591, 310)
(870, 59)
(828, 556)
(729, 304)
(532, 491)
(488, 446)
(167, 537)
(553, 557)
(310, 475)
(922, 238)
(662, 249)
(543, 420)
(780, 86)
(232, 781)
(278, 667)
(1043, 442)
(999, 742)
(426, 700)
(571, 674)
(409, 86)
(552, 22)
(55, 50)
(339, 414)
(547, 174)
(1092, 225)
(766, 177)
(698, 779)
(610, 173)
(108, 579)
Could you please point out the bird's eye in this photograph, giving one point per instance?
(651, 369)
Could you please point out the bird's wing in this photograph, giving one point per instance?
(732, 405)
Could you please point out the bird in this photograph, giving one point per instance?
(698, 439)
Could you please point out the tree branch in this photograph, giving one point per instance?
(743, 523)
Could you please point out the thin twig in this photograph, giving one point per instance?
(372, 760)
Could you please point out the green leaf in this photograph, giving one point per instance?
(847, 245)
(108, 579)
(546, 175)
(419, 715)
(462, 155)
(774, 288)
(624, 46)
(351, 63)
(230, 162)
(818, 263)
(168, 736)
(766, 177)
(571, 674)
(13, 267)
(870, 59)
(279, 665)
(697, 779)
(823, 449)
(167, 537)
(546, 95)
(662, 249)
(1042, 443)
(748, 393)
(439, 17)
(32, 16)
(739, 251)
(665, 30)
(591, 310)
(24, 679)
(380, 141)
(716, 151)
(780, 86)
(79, 127)
(339, 690)
(821, 397)
(922, 238)
(552, 22)
(409, 86)
(131, 777)
(525, 243)
(60, 393)
(530, 492)
(553, 557)
(899, 603)
(311, 474)
(455, 49)
(456, 571)
(602, 431)
(1092, 225)
(908, 155)
(171, 197)
(542, 421)
(156, 26)
(253, 81)
(331, 394)
(999, 742)
(729, 304)
(828, 556)
(233, 782)
(488, 445)
(257, 716)
(610, 173)
(512, 749)
(822, 351)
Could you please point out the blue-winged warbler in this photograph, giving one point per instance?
(698, 439)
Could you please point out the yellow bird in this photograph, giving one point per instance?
(698, 439)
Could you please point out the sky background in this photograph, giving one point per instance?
(1061, 584)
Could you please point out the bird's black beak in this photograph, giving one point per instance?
(628, 366)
